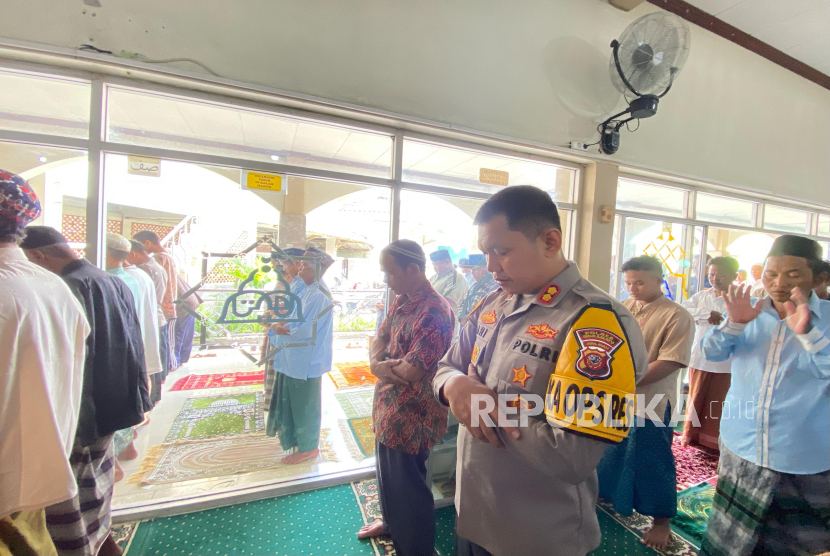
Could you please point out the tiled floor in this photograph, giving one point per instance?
(129, 495)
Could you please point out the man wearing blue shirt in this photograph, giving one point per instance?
(295, 408)
(773, 494)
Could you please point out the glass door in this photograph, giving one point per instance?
(677, 245)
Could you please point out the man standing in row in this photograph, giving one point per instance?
(139, 258)
(295, 411)
(43, 332)
(447, 281)
(773, 494)
(548, 331)
(152, 244)
(290, 273)
(114, 394)
(406, 417)
(708, 380)
(483, 284)
(821, 279)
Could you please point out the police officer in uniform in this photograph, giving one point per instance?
(549, 337)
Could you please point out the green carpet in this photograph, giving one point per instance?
(445, 531)
(356, 402)
(617, 540)
(318, 522)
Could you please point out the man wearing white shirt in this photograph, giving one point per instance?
(708, 381)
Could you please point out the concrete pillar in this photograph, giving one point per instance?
(331, 246)
(292, 232)
(596, 239)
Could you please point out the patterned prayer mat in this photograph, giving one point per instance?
(356, 402)
(323, 521)
(366, 493)
(123, 533)
(202, 459)
(345, 375)
(693, 507)
(361, 430)
(218, 380)
(638, 524)
(693, 465)
(218, 417)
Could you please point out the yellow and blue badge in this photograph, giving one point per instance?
(592, 388)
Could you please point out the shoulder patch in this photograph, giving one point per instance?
(488, 318)
(592, 389)
(548, 294)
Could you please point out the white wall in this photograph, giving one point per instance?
(534, 70)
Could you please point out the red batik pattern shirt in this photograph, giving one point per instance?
(418, 329)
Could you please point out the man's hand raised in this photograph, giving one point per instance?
(739, 305)
(798, 312)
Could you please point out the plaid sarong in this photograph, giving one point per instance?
(81, 524)
(761, 511)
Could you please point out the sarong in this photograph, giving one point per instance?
(639, 473)
(707, 391)
(295, 413)
(80, 525)
(760, 511)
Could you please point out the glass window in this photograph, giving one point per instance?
(786, 219)
(152, 119)
(715, 208)
(824, 225)
(58, 178)
(40, 104)
(749, 248)
(435, 164)
(676, 245)
(205, 220)
(654, 199)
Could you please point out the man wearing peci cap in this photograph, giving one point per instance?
(295, 410)
(447, 281)
(483, 283)
(114, 394)
(43, 332)
(773, 494)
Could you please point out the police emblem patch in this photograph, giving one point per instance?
(541, 331)
(548, 294)
(521, 375)
(475, 354)
(596, 351)
(488, 318)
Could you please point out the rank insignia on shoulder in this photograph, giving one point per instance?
(521, 375)
(489, 318)
(474, 356)
(541, 331)
(548, 294)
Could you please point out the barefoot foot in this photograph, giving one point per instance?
(300, 457)
(119, 473)
(372, 530)
(129, 453)
(659, 536)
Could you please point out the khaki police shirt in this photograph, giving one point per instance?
(538, 494)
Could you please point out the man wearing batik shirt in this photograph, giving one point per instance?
(152, 244)
(406, 416)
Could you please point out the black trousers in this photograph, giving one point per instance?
(463, 547)
(406, 500)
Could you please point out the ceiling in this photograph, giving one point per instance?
(799, 28)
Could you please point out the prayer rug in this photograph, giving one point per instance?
(638, 524)
(362, 432)
(345, 375)
(218, 380)
(123, 534)
(693, 507)
(356, 402)
(366, 493)
(693, 465)
(323, 521)
(202, 459)
(218, 417)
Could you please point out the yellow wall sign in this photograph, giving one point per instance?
(493, 177)
(144, 166)
(263, 182)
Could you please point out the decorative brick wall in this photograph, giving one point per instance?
(160, 230)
